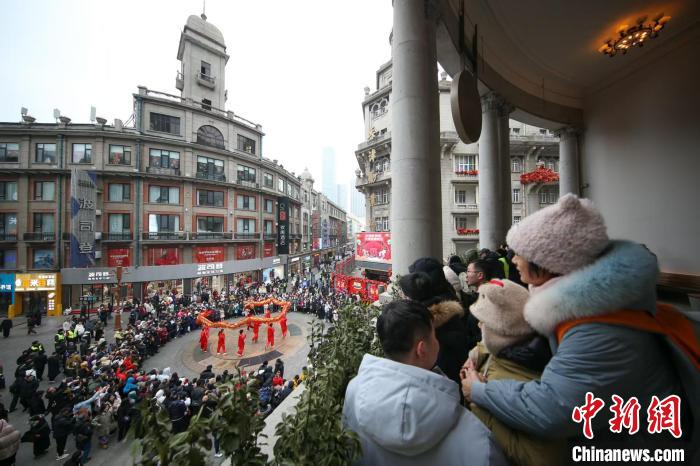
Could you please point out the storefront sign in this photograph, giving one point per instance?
(208, 254)
(7, 284)
(245, 252)
(295, 259)
(283, 225)
(101, 276)
(268, 250)
(119, 257)
(164, 256)
(210, 269)
(374, 247)
(316, 244)
(82, 214)
(35, 282)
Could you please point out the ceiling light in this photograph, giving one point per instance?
(634, 36)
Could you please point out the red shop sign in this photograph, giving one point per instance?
(119, 257)
(269, 250)
(164, 256)
(245, 251)
(206, 254)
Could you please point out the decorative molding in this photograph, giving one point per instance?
(566, 131)
(493, 101)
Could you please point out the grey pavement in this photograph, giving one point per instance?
(171, 355)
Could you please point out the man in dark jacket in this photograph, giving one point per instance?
(6, 326)
(206, 374)
(27, 387)
(40, 360)
(38, 434)
(54, 368)
(177, 411)
(62, 425)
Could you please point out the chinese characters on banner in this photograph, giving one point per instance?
(208, 254)
(82, 214)
(210, 269)
(661, 415)
(120, 257)
(282, 225)
(374, 247)
(164, 256)
(268, 250)
(245, 251)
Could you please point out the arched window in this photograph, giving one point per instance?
(210, 136)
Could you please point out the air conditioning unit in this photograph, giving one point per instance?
(98, 254)
(98, 235)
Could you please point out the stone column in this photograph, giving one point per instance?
(416, 205)
(492, 209)
(568, 161)
(503, 114)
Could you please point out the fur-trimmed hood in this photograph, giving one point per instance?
(444, 311)
(623, 277)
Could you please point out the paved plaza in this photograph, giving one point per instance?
(182, 355)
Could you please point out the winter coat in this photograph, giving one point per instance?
(38, 434)
(521, 448)
(405, 415)
(452, 335)
(9, 440)
(600, 358)
(105, 423)
(62, 425)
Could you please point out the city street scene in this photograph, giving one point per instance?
(407, 232)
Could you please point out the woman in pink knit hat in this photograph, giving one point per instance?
(595, 300)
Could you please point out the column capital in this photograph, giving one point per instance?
(494, 101)
(566, 131)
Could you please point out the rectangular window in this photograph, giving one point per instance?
(164, 195)
(548, 196)
(269, 206)
(550, 164)
(44, 190)
(82, 153)
(119, 223)
(8, 190)
(516, 165)
(245, 202)
(43, 222)
(9, 152)
(8, 226)
(515, 130)
(45, 153)
(163, 223)
(460, 196)
(268, 227)
(245, 225)
(43, 259)
(210, 224)
(516, 196)
(206, 104)
(211, 169)
(160, 158)
(8, 259)
(516, 219)
(246, 174)
(210, 198)
(119, 155)
(119, 192)
(461, 222)
(268, 180)
(246, 144)
(205, 68)
(165, 123)
(465, 163)
(280, 185)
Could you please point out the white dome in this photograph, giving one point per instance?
(201, 26)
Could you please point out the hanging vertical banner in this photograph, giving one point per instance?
(268, 249)
(82, 213)
(282, 225)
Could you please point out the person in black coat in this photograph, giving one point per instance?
(62, 425)
(83, 431)
(279, 366)
(36, 404)
(6, 326)
(54, 366)
(40, 360)
(38, 434)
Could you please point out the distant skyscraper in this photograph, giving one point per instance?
(343, 196)
(329, 186)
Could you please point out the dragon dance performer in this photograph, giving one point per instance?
(256, 330)
(270, 336)
(221, 346)
(241, 342)
(283, 326)
(204, 338)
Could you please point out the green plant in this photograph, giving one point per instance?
(314, 434)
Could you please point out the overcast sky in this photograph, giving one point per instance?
(296, 67)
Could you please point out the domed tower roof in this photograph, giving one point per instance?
(201, 26)
(306, 175)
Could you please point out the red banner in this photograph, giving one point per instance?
(316, 244)
(367, 289)
(374, 247)
(245, 251)
(119, 257)
(206, 254)
(269, 249)
(164, 256)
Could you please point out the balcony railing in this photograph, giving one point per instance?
(209, 235)
(270, 236)
(179, 81)
(467, 173)
(206, 80)
(472, 232)
(164, 236)
(467, 207)
(247, 183)
(116, 236)
(295, 236)
(246, 236)
(8, 236)
(211, 176)
(163, 171)
(40, 236)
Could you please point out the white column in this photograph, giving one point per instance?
(415, 173)
(492, 209)
(504, 110)
(568, 161)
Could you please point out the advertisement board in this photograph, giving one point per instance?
(119, 257)
(208, 254)
(82, 214)
(35, 282)
(245, 251)
(164, 256)
(374, 247)
(282, 225)
(268, 249)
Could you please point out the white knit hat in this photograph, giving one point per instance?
(452, 278)
(561, 238)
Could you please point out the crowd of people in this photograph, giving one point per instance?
(505, 359)
(96, 388)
